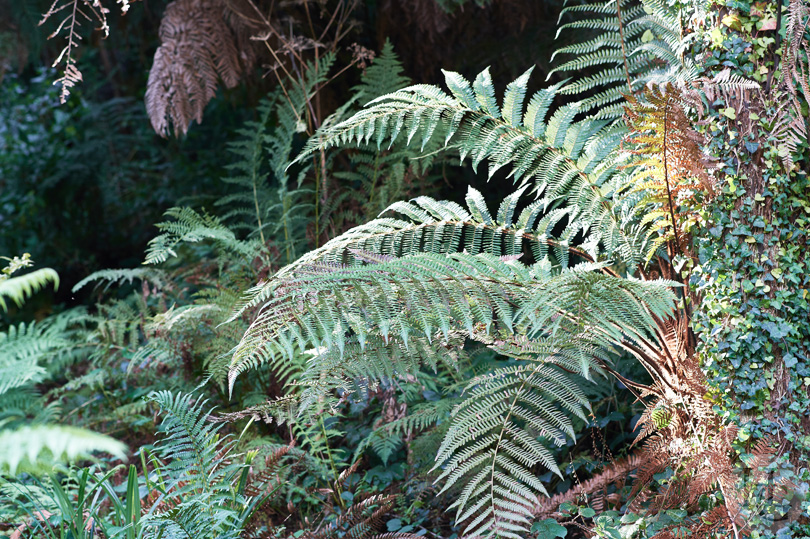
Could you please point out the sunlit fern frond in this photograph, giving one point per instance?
(549, 234)
(153, 276)
(572, 163)
(18, 289)
(572, 320)
(36, 448)
(561, 155)
(672, 170)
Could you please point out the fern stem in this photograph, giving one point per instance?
(317, 202)
(500, 439)
(258, 213)
(332, 463)
(666, 179)
(624, 51)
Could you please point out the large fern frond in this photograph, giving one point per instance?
(431, 226)
(571, 319)
(555, 150)
(577, 162)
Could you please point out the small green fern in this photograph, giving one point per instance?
(202, 478)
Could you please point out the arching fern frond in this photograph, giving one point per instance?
(572, 163)
(555, 150)
(35, 448)
(19, 288)
(153, 276)
(496, 439)
(546, 320)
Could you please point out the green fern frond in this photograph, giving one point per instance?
(383, 76)
(202, 483)
(471, 122)
(635, 43)
(494, 442)
(189, 226)
(34, 448)
(426, 294)
(576, 161)
(24, 286)
(388, 437)
(445, 227)
(153, 276)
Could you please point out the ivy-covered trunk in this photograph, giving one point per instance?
(752, 276)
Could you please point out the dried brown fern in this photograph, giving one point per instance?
(269, 477)
(361, 520)
(593, 490)
(73, 13)
(202, 42)
(686, 435)
(796, 52)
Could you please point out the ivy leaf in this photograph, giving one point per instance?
(548, 529)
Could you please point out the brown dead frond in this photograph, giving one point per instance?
(361, 520)
(594, 490)
(202, 42)
(269, 478)
(72, 14)
(796, 52)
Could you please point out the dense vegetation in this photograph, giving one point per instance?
(391, 292)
